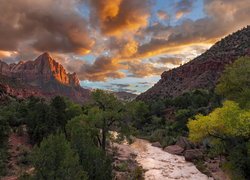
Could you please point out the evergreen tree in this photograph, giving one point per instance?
(54, 159)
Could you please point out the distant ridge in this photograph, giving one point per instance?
(203, 71)
(42, 77)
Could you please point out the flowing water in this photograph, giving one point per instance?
(160, 165)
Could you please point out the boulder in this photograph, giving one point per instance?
(157, 144)
(174, 149)
(184, 143)
(193, 154)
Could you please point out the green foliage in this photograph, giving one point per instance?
(54, 159)
(107, 111)
(84, 139)
(44, 118)
(58, 106)
(234, 83)
(154, 122)
(3, 159)
(4, 130)
(137, 113)
(41, 120)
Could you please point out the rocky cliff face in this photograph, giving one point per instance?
(39, 72)
(45, 77)
(202, 72)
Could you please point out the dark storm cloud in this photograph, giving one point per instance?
(46, 25)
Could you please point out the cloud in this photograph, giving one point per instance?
(163, 15)
(102, 69)
(116, 17)
(120, 85)
(202, 31)
(170, 60)
(183, 7)
(46, 25)
(142, 69)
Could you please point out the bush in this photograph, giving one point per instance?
(54, 159)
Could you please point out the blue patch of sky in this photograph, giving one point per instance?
(169, 6)
(88, 58)
(136, 85)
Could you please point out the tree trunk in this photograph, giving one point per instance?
(104, 135)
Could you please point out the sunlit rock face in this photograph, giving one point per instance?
(47, 76)
(41, 71)
(202, 72)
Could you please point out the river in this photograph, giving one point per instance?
(160, 165)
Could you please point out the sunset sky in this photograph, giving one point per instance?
(121, 45)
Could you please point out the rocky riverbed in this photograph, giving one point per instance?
(159, 164)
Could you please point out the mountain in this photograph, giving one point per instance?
(126, 96)
(42, 77)
(202, 72)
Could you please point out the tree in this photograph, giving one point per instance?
(4, 131)
(54, 159)
(59, 105)
(228, 128)
(234, 84)
(41, 121)
(107, 110)
(138, 113)
(223, 123)
(83, 138)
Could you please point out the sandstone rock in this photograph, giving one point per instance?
(174, 149)
(204, 71)
(42, 77)
(157, 144)
(193, 154)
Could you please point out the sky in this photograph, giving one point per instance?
(119, 45)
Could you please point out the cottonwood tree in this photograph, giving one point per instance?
(106, 112)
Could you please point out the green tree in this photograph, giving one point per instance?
(59, 105)
(41, 121)
(234, 84)
(107, 112)
(83, 138)
(54, 159)
(137, 112)
(4, 131)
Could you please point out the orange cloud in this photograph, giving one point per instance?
(163, 15)
(116, 17)
(102, 69)
(142, 69)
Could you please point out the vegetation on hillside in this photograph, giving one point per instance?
(227, 128)
(165, 120)
(81, 132)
